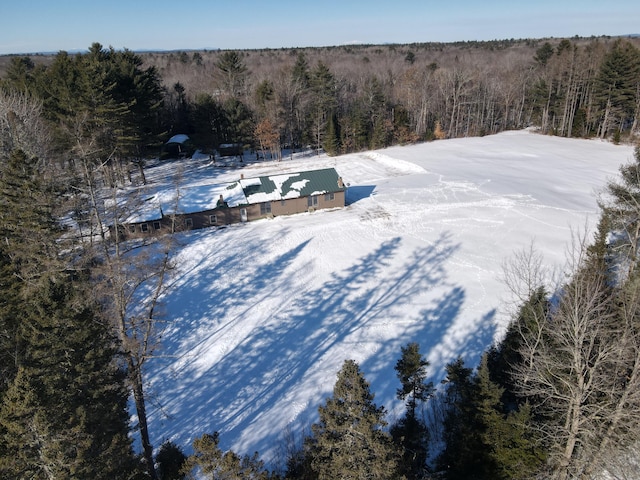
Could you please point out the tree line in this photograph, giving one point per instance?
(556, 398)
(346, 99)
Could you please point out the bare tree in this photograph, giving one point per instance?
(130, 275)
(581, 370)
(21, 124)
(131, 280)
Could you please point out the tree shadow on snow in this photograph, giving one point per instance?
(219, 374)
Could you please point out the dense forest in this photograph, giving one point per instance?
(351, 98)
(558, 397)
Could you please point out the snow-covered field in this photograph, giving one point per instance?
(262, 315)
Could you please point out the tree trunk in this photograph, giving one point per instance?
(605, 120)
(135, 378)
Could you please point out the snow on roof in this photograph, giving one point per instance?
(268, 188)
(201, 198)
(193, 199)
(205, 197)
(180, 138)
(293, 185)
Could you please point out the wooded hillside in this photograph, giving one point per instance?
(350, 98)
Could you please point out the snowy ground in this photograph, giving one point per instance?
(262, 315)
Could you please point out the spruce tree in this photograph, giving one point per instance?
(621, 206)
(209, 122)
(240, 124)
(170, 461)
(482, 439)
(410, 433)
(509, 446)
(525, 327)
(616, 87)
(208, 461)
(331, 138)
(462, 456)
(349, 442)
(65, 413)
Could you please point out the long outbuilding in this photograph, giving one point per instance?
(241, 201)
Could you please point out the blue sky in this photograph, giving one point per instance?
(52, 25)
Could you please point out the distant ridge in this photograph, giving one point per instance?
(214, 49)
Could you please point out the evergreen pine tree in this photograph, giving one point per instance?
(348, 441)
(18, 75)
(210, 462)
(170, 461)
(410, 433)
(11, 343)
(300, 72)
(232, 73)
(621, 206)
(27, 227)
(324, 99)
(27, 247)
(67, 403)
(509, 449)
(543, 54)
(462, 456)
(63, 414)
(616, 87)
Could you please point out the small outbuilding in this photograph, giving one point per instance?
(178, 146)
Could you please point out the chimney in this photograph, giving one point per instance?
(340, 183)
(242, 176)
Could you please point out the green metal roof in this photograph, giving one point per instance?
(291, 185)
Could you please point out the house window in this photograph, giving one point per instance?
(265, 208)
(312, 201)
(213, 220)
(132, 229)
(188, 222)
(329, 197)
(144, 228)
(156, 225)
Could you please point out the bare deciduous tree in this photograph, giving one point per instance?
(21, 124)
(581, 370)
(130, 277)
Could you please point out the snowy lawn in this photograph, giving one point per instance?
(261, 316)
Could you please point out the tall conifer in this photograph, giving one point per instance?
(349, 442)
(411, 433)
(63, 414)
